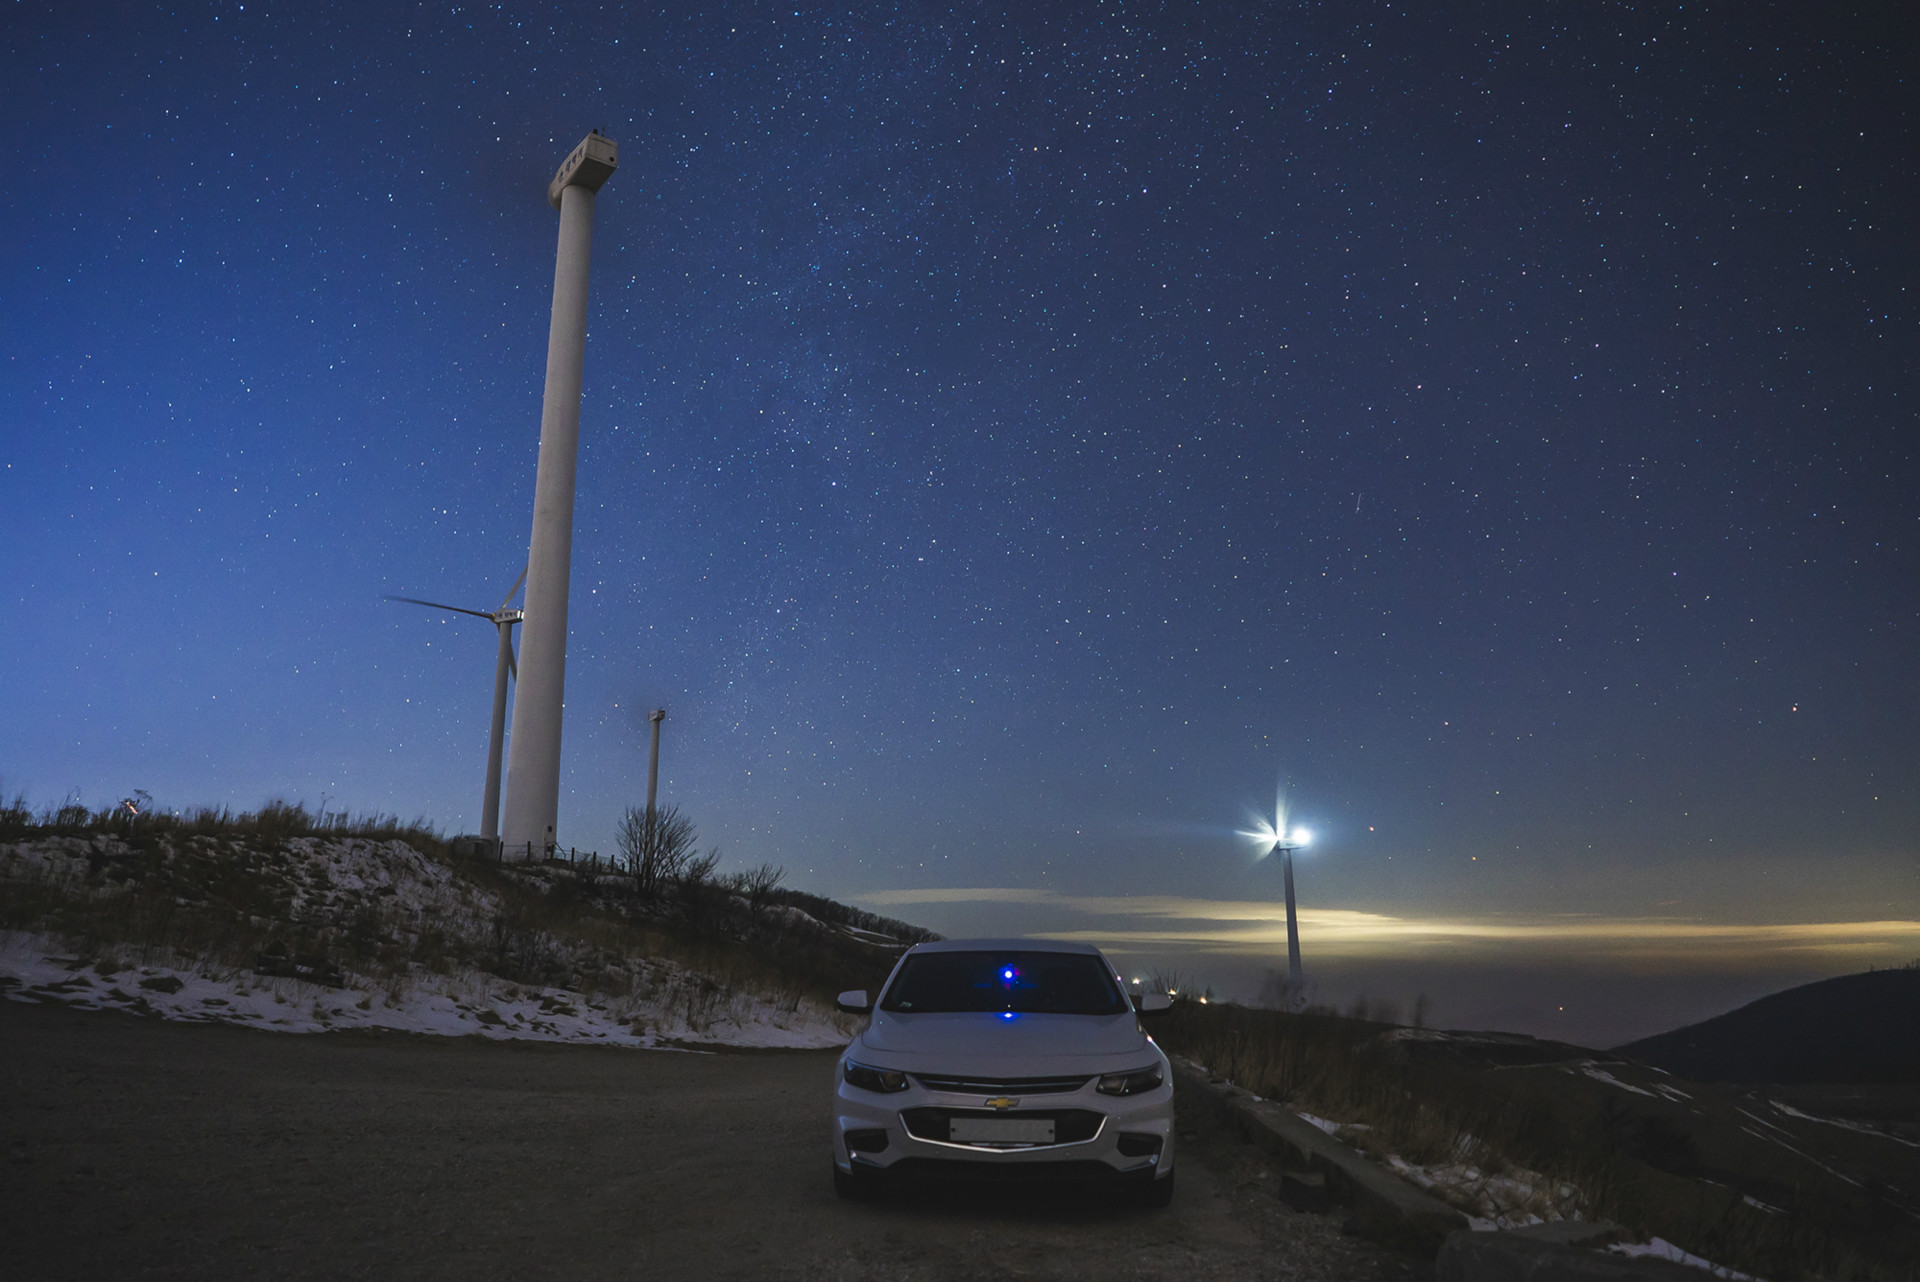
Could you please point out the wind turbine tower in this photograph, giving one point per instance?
(1286, 846)
(533, 768)
(653, 761)
(1276, 836)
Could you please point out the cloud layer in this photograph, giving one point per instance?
(1228, 927)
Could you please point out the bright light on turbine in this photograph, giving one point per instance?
(1268, 836)
(1263, 835)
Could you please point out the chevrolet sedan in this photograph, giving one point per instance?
(1004, 1060)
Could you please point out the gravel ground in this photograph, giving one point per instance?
(134, 1148)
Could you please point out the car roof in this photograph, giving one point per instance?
(1006, 946)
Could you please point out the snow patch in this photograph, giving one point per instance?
(1843, 1124)
(1322, 1123)
(1599, 1074)
(468, 1003)
(1661, 1249)
(1510, 1199)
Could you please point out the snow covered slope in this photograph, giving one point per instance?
(313, 934)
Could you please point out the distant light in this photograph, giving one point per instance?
(1203, 1000)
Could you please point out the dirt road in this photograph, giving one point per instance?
(133, 1148)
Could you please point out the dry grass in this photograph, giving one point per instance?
(1629, 1161)
(254, 891)
(138, 821)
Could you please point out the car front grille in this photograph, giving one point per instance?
(1004, 1085)
(1070, 1125)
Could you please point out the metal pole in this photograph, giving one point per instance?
(1293, 929)
(653, 762)
(533, 774)
(490, 806)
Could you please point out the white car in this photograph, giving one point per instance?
(1007, 1060)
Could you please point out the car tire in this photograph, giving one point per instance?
(854, 1186)
(1155, 1193)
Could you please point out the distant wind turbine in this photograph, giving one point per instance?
(503, 667)
(1270, 837)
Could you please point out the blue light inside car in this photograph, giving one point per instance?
(1009, 974)
(1009, 1014)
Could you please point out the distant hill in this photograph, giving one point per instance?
(1857, 1028)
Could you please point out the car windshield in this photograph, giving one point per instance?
(1024, 982)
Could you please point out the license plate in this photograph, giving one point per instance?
(1000, 1130)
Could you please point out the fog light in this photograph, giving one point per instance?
(866, 1141)
(1135, 1144)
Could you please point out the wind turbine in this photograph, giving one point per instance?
(503, 667)
(533, 785)
(1270, 837)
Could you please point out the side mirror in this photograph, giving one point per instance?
(1152, 1003)
(854, 1001)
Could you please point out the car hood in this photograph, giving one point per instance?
(991, 1044)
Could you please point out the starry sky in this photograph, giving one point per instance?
(1016, 442)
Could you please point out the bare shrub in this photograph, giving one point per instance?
(757, 885)
(656, 845)
(698, 870)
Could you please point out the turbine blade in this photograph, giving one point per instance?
(516, 585)
(414, 600)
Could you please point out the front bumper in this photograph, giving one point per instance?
(1097, 1137)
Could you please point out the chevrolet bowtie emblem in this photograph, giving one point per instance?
(1003, 1103)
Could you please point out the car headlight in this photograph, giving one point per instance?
(883, 1080)
(1141, 1079)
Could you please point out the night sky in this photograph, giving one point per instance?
(1015, 441)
